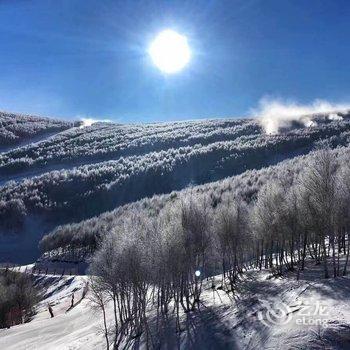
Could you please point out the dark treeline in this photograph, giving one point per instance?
(18, 297)
(149, 261)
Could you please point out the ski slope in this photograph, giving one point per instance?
(225, 321)
(73, 329)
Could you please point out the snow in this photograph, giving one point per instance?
(75, 329)
(225, 321)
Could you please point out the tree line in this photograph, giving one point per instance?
(18, 296)
(15, 128)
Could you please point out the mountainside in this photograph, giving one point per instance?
(87, 234)
(17, 129)
(83, 171)
(194, 235)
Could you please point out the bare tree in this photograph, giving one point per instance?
(99, 299)
(232, 235)
(320, 185)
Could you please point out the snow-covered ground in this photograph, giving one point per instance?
(264, 313)
(73, 329)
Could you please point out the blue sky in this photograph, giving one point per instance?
(82, 58)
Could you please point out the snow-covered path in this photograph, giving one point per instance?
(28, 141)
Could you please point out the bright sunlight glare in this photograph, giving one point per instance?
(170, 51)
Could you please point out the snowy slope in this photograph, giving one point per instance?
(238, 321)
(74, 329)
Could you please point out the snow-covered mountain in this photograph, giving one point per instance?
(215, 234)
(82, 171)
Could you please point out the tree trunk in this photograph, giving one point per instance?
(326, 274)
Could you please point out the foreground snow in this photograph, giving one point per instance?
(225, 321)
(75, 329)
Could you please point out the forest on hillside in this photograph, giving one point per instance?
(15, 128)
(168, 254)
(245, 188)
(146, 160)
(166, 211)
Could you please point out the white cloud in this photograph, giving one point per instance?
(277, 114)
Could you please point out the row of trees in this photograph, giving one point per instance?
(151, 261)
(104, 142)
(18, 297)
(14, 128)
(158, 262)
(308, 218)
(109, 141)
(12, 214)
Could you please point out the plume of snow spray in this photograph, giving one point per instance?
(90, 121)
(275, 115)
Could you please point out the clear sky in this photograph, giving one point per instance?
(84, 58)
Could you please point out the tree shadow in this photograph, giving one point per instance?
(207, 330)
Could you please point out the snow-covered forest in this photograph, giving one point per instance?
(16, 128)
(164, 213)
(151, 259)
(85, 171)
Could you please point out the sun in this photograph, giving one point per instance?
(170, 51)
